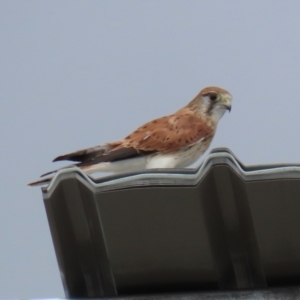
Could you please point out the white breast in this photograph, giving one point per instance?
(179, 159)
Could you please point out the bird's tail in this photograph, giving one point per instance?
(42, 181)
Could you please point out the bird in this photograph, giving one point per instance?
(174, 141)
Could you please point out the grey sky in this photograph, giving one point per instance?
(76, 74)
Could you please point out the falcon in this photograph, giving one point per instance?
(176, 140)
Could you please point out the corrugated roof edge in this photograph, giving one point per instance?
(167, 177)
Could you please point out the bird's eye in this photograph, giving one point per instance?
(213, 97)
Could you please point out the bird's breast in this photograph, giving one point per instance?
(180, 158)
(192, 153)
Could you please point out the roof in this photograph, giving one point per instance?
(221, 226)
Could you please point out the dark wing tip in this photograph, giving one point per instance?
(59, 158)
(76, 156)
(85, 154)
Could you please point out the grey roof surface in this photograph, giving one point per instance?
(223, 226)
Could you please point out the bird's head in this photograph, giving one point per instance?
(211, 102)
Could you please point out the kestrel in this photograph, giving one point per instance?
(177, 140)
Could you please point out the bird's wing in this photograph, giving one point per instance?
(105, 153)
(84, 154)
(168, 134)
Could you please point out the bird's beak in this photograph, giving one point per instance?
(226, 101)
